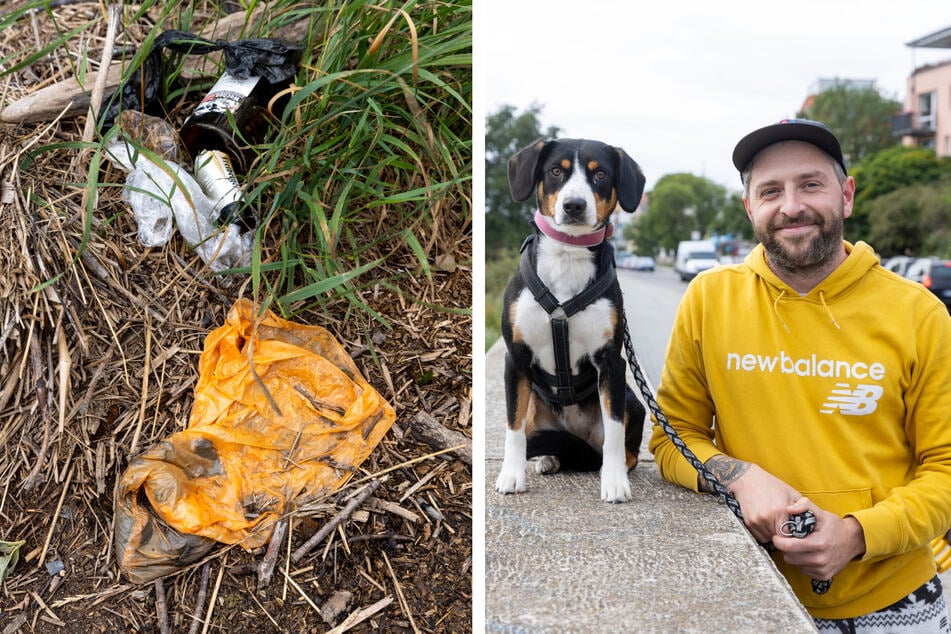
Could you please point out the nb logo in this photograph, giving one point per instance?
(858, 402)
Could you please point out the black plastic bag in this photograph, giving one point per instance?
(274, 60)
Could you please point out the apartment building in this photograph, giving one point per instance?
(926, 120)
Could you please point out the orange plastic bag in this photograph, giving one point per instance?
(254, 446)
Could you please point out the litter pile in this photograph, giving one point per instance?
(205, 203)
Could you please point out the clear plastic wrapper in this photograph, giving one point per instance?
(159, 191)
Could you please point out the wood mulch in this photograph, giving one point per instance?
(98, 360)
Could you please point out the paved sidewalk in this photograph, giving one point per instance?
(557, 559)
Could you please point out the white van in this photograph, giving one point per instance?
(694, 256)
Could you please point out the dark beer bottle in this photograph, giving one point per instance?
(233, 115)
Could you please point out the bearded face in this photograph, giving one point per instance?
(807, 252)
(798, 204)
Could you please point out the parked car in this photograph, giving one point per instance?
(694, 256)
(938, 280)
(918, 269)
(643, 263)
(635, 262)
(899, 264)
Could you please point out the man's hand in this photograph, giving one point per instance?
(834, 543)
(763, 497)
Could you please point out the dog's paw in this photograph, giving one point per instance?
(547, 464)
(615, 487)
(511, 481)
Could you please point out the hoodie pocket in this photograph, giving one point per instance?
(841, 502)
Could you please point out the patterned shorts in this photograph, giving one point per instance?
(924, 611)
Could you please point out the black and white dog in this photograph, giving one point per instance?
(567, 400)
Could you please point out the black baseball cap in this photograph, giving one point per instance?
(787, 130)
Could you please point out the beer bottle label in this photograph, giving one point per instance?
(226, 95)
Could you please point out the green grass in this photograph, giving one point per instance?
(381, 131)
(368, 178)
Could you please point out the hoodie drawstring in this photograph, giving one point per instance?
(822, 298)
(782, 294)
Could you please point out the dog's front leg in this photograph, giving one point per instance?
(615, 486)
(518, 414)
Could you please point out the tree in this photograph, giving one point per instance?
(507, 221)
(894, 168)
(887, 171)
(732, 218)
(860, 118)
(936, 221)
(895, 222)
(912, 220)
(679, 205)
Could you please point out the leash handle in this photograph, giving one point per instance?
(798, 526)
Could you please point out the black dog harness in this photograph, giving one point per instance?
(564, 388)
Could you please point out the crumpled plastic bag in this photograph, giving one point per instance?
(240, 465)
(158, 189)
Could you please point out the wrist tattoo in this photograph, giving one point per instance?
(726, 469)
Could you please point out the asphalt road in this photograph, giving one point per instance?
(650, 302)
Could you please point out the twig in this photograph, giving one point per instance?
(202, 595)
(376, 504)
(93, 598)
(359, 616)
(387, 536)
(100, 86)
(287, 556)
(64, 366)
(436, 435)
(14, 626)
(402, 465)
(42, 410)
(146, 370)
(421, 482)
(399, 593)
(161, 607)
(53, 617)
(87, 398)
(264, 609)
(214, 595)
(266, 567)
(53, 520)
(329, 527)
(301, 592)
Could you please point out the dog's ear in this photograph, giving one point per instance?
(522, 170)
(630, 182)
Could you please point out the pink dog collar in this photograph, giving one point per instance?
(592, 239)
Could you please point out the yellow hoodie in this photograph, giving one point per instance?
(844, 393)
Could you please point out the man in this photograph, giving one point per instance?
(810, 378)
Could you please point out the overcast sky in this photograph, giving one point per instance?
(676, 83)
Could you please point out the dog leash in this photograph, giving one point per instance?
(798, 526)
